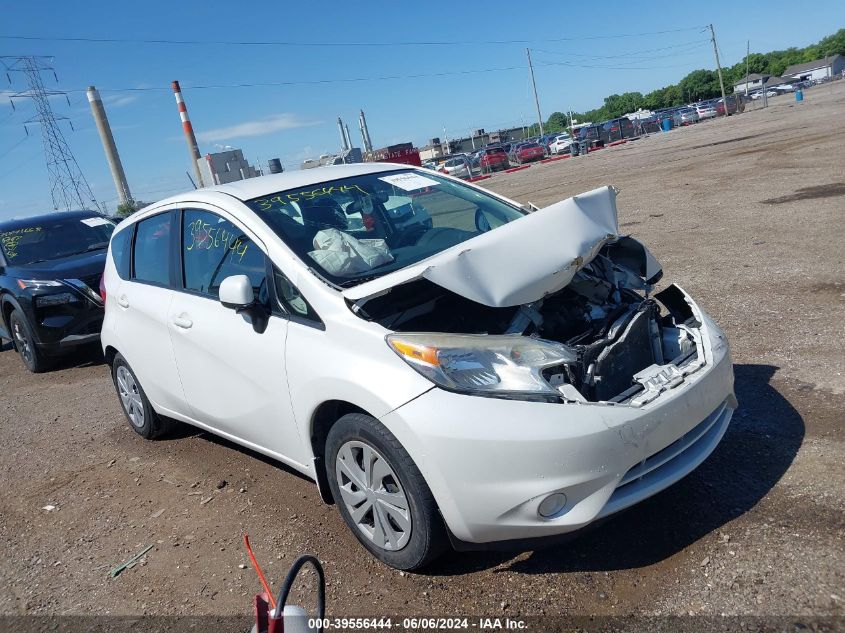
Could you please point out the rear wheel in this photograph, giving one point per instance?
(24, 343)
(382, 495)
(137, 408)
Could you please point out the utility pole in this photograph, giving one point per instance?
(747, 54)
(107, 138)
(719, 68)
(534, 85)
(68, 187)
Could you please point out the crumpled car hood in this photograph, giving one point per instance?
(519, 262)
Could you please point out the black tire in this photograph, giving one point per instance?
(149, 425)
(24, 342)
(428, 539)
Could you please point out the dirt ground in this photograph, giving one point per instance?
(746, 213)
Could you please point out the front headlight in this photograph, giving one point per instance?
(481, 364)
(25, 284)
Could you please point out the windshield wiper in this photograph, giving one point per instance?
(93, 247)
(357, 280)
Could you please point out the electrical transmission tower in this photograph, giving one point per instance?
(68, 186)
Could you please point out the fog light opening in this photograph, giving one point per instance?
(551, 505)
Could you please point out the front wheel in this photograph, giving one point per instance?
(24, 342)
(382, 495)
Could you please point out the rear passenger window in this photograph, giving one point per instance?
(120, 250)
(152, 250)
(213, 248)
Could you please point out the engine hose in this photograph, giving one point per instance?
(288, 584)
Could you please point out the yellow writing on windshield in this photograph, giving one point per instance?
(205, 237)
(284, 198)
(11, 239)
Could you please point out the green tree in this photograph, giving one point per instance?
(557, 122)
(125, 209)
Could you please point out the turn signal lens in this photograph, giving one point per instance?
(503, 365)
(416, 352)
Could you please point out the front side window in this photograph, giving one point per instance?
(54, 239)
(213, 248)
(151, 253)
(355, 229)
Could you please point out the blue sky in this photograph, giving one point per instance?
(296, 121)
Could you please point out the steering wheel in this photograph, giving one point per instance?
(434, 234)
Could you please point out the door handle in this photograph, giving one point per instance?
(123, 302)
(183, 323)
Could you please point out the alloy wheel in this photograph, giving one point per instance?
(373, 495)
(130, 396)
(22, 343)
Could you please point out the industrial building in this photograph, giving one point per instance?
(223, 167)
(436, 148)
(819, 69)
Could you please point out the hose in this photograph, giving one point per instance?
(288, 584)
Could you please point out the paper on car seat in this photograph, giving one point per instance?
(409, 181)
(343, 255)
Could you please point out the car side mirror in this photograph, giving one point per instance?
(482, 224)
(236, 292)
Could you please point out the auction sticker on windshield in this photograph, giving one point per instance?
(409, 181)
(92, 222)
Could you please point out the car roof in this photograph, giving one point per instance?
(20, 223)
(263, 185)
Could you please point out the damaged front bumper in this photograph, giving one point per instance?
(490, 463)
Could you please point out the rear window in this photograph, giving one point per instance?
(120, 250)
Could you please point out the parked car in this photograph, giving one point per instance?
(650, 125)
(492, 159)
(616, 130)
(396, 366)
(771, 92)
(457, 166)
(527, 153)
(734, 105)
(591, 134)
(560, 144)
(705, 110)
(688, 116)
(50, 270)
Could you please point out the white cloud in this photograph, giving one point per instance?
(117, 101)
(258, 127)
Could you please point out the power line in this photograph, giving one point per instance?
(311, 82)
(9, 151)
(122, 40)
(683, 45)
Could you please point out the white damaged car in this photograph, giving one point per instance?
(449, 366)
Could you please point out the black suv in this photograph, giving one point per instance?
(50, 271)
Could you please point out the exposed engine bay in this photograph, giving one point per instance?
(627, 345)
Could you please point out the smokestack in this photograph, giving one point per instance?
(348, 136)
(343, 145)
(193, 148)
(365, 133)
(110, 148)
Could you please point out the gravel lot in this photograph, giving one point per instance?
(745, 213)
